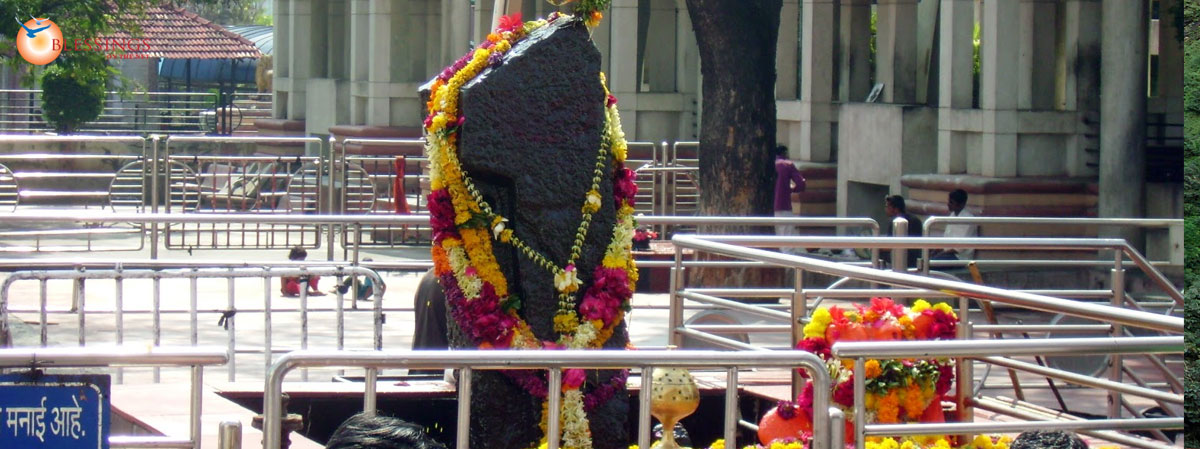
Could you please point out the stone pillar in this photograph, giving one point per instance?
(360, 59)
(955, 78)
(300, 60)
(282, 58)
(659, 61)
(687, 74)
(896, 50)
(339, 41)
(622, 71)
(855, 73)
(786, 49)
(816, 81)
(998, 87)
(1123, 111)
(456, 37)
(379, 76)
(1078, 83)
(1036, 86)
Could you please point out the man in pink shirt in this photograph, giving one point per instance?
(787, 180)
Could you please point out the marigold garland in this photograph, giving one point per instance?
(465, 229)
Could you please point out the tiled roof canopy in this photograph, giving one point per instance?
(173, 32)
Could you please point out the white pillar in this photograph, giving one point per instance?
(816, 80)
(955, 78)
(281, 61)
(998, 86)
(786, 48)
(379, 76)
(622, 74)
(855, 74)
(896, 50)
(360, 59)
(1036, 82)
(1123, 109)
(456, 24)
(300, 65)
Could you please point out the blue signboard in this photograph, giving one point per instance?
(54, 411)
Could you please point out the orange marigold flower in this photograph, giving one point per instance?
(873, 369)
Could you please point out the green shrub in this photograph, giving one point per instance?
(72, 97)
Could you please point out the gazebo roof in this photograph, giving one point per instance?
(176, 33)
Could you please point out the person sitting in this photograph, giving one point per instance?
(894, 207)
(292, 284)
(366, 286)
(957, 203)
(380, 432)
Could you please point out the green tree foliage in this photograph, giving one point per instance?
(229, 12)
(1191, 201)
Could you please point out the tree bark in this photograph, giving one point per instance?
(737, 42)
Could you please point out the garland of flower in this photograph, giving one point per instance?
(910, 442)
(465, 227)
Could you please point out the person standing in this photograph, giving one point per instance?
(957, 203)
(787, 180)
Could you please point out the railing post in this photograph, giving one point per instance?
(1118, 300)
(230, 435)
(675, 316)
(900, 255)
(799, 312)
(154, 197)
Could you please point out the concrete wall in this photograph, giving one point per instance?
(877, 144)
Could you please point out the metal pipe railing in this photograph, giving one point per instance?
(79, 276)
(984, 349)
(195, 357)
(720, 244)
(554, 361)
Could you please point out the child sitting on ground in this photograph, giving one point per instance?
(365, 286)
(292, 285)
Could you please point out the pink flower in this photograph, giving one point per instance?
(624, 188)
(441, 214)
(605, 298)
(611, 100)
(945, 377)
(804, 402)
(815, 345)
(573, 378)
(786, 409)
(843, 393)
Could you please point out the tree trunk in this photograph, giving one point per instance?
(737, 40)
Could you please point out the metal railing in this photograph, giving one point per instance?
(393, 183)
(196, 358)
(996, 352)
(193, 309)
(1174, 228)
(721, 245)
(133, 112)
(555, 361)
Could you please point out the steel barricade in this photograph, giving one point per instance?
(227, 315)
(38, 172)
(391, 181)
(555, 362)
(211, 182)
(196, 358)
(1174, 228)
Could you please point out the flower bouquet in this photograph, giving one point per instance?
(897, 391)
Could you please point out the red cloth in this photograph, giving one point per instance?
(291, 285)
(399, 200)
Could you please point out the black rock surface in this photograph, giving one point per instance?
(533, 130)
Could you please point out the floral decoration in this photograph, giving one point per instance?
(897, 391)
(465, 230)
